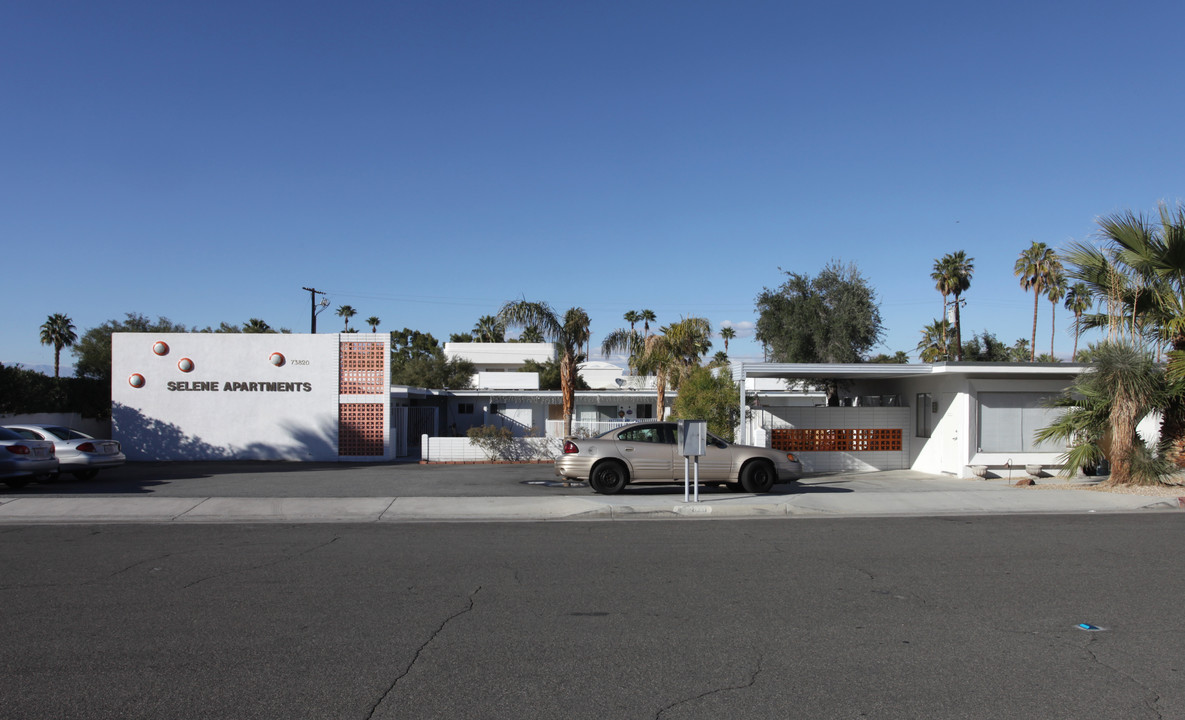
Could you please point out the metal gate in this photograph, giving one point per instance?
(408, 424)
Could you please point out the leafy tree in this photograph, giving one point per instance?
(24, 391)
(489, 330)
(726, 334)
(374, 322)
(418, 360)
(1020, 351)
(986, 348)
(347, 312)
(710, 396)
(831, 318)
(569, 332)
(898, 358)
(58, 330)
(1104, 406)
(549, 374)
(1035, 267)
(92, 352)
(1079, 299)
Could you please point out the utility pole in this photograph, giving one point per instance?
(313, 309)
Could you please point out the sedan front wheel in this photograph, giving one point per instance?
(758, 477)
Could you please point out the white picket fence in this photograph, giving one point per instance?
(460, 449)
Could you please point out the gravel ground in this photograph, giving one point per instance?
(1174, 490)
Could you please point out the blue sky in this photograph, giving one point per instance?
(427, 161)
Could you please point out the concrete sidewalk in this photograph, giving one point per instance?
(834, 496)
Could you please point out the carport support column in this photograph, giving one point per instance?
(743, 438)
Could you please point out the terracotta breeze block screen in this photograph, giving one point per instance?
(812, 440)
(363, 366)
(360, 429)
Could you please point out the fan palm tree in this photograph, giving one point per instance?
(256, 325)
(632, 317)
(942, 280)
(932, 346)
(347, 312)
(648, 317)
(1034, 267)
(58, 330)
(569, 332)
(726, 334)
(1078, 300)
(374, 322)
(1055, 290)
(959, 269)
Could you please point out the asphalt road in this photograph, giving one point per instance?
(838, 618)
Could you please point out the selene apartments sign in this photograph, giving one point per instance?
(236, 386)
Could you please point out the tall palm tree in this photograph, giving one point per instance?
(726, 334)
(1078, 300)
(256, 325)
(1033, 267)
(690, 341)
(489, 329)
(347, 312)
(1055, 290)
(569, 332)
(630, 342)
(58, 330)
(531, 334)
(632, 317)
(648, 317)
(941, 278)
(374, 322)
(959, 269)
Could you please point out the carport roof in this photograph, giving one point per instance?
(851, 371)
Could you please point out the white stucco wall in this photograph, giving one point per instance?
(234, 403)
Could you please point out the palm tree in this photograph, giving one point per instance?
(569, 333)
(1033, 267)
(720, 359)
(689, 342)
(941, 279)
(256, 325)
(959, 269)
(58, 330)
(531, 334)
(932, 346)
(632, 317)
(489, 329)
(648, 317)
(727, 333)
(374, 322)
(1055, 290)
(347, 312)
(625, 341)
(1078, 300)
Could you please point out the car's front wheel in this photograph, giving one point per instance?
(608, 478)
(758, 477)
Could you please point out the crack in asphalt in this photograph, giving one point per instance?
(278, 561)
(1150, 702)
(420, 650)
(744, 686)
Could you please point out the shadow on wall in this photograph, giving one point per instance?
(147, 438)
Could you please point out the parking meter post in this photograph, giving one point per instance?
(686, 476)
(697, 478)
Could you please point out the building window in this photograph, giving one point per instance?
(925, 417)
(464, 408)
(645, 411)
(1008, 421)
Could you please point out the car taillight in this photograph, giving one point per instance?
(17, 449)
(570, 447)
(87, 447)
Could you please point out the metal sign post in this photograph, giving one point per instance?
(693, 442)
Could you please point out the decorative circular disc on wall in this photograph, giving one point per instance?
(185, 365)
(161, 348)
(277, 359)
(136, 380)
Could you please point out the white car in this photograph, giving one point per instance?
(23, 460)
(78, 453)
